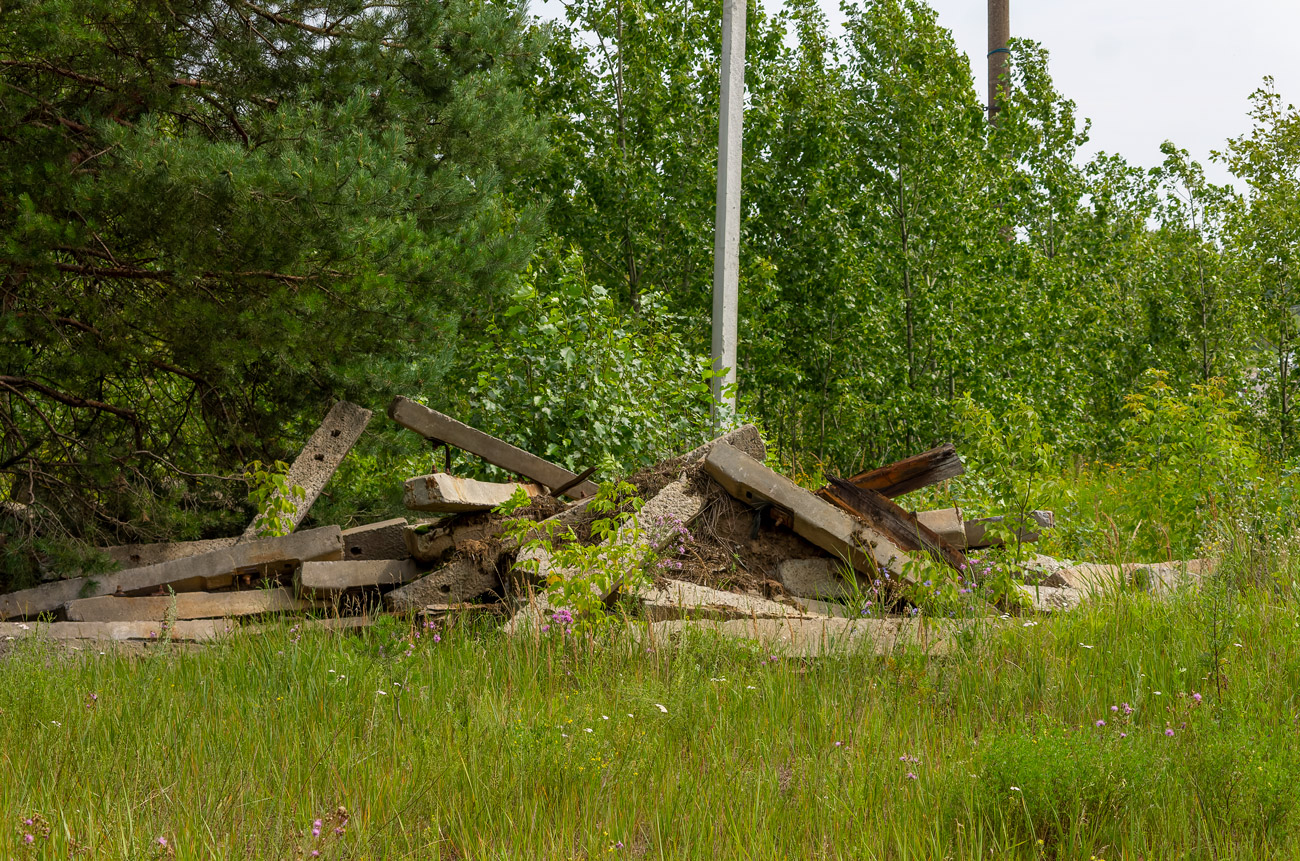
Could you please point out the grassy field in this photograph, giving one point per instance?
(1128, 729)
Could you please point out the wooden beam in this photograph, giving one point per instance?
(911, 473)
(432, 424)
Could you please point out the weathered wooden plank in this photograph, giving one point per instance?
(186, 605)
(319, 458)
(432, 424)
(450, 494)
(891, 519)
(817, 520)
(266, 555)
(911, 473)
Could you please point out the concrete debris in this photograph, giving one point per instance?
(450, 495)
(461, 580)
(978, 534)
(765, 560)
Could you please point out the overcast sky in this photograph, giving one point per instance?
(1144, 71)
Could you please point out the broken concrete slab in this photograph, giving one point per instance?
(1155, 577)
(383, 540)
(331, 577)
(810, 637)
(745, 438)
(201, 630)
(813, 578)
(449, 494)
(1048, 599)
(678, 600)
(319, 458)
(267, 556)
(459, 581)
(140, 555)
(815, 519)
(432, 424)
(978, 535)
(185, 605)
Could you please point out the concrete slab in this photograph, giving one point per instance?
(185, 605)
(190, 631)
(319, 458)
(383, 540)
(449, 494)
(678, 600)
(815, 519)
(332, 577)
(432, 424)
(140, 555)
(269, 556)
(459, 581)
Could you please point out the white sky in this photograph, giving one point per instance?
(1144, 71)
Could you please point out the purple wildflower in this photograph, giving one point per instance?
(27, 838)
(1114, 708)
(1169, 731)
(911, 776)
(1101, 723)
(1196, 697)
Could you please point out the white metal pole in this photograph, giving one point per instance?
(726, 229)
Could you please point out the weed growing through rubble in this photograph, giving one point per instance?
(583, 575)
(1109, 732)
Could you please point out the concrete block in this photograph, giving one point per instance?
(267, 556)
(201, 630)
(383, 540)
(947, 524)
(329, 577)
(319, 458)
(678, 600)
(186, 605)
(816, 520)
(447, 493)
(461, 580)
(140, 555)
(813, 578)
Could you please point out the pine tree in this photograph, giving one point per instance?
(218, 215)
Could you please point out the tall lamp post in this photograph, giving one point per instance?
(726, 228)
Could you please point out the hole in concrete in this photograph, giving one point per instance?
(445, 588)
(355, 551)
(320, 457)
(336, 434)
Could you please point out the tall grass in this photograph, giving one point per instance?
(479, 746)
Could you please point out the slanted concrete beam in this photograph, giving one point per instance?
(319, 458)
(460, 580)
(383, 540)
(432, 424)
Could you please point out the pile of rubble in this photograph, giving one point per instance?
(767, 558)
